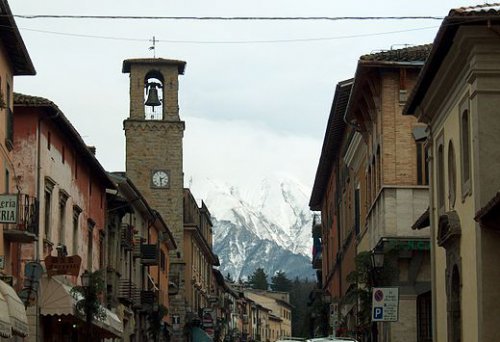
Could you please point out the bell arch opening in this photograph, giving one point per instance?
(153, 95)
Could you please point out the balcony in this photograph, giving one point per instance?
(128, 291)
(136, 250)
(127, 237)
(26, 228)
(149, 255)
(317, 261)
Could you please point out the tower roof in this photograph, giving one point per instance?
(181, 65)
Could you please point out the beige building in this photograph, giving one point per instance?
(279, 305)
(199, 257)
(395, 186)
(458, 96)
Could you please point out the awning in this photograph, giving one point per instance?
(199, 335)
(5, 327)
(16, 310)
(56, 299)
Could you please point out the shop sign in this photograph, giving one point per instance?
(8, 208)
(63, 265)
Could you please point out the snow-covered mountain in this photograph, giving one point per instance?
(265, 224)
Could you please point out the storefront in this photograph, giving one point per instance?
(60, 321)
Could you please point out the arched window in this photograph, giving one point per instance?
(465, 139)
(440, 178)
(153, 96)
(452, 175)
(379, 168)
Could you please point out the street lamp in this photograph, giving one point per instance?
(377, 259)
(85, 277)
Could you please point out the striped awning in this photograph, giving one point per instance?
(16, 312)
(5, 327)
(56, 299)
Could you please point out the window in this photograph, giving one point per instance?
(440, 175)
(422, 172)
(76, 231)
(368, 187)
(424, 317)
(90, 243)
(374, 179)
(452, 176)
(465, 146)
(63, 155)
(63, 198)
(356, 209)
(379, 169)
(9, 124)
(49, 142)
(102, 256)
(49, 187)
(7, 180)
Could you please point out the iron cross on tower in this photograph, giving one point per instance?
(153, 47)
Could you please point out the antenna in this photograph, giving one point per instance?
(153, 47)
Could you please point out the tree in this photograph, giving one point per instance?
(258, 280)
(88, 304)
(280, 282)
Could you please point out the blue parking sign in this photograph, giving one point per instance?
(378, 312)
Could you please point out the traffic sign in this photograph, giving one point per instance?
(385, 304)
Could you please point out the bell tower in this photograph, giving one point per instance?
(154, 157)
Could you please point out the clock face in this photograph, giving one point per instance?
(160, 179)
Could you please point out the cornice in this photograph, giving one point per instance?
(154, 125)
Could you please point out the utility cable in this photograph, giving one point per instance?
(218, 18)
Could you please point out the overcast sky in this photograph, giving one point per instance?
(255, 96)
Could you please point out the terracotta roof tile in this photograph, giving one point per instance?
(417, 53)
(28, 100)
(478, 10)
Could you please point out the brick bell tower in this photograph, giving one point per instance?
(154, 156)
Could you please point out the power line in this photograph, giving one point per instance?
(296, 40)
(218, 18)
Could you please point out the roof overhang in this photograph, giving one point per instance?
(334, 131)
(440, 48)
(489, 215)
(127, 64)
(13, 43)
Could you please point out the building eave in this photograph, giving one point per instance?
(334, 130)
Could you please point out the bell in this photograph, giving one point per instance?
(152, 99)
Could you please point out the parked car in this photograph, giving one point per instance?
(290, 339)
(331, 339)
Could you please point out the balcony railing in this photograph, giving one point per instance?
(26, 228)
(128, 291)
(127, 236)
